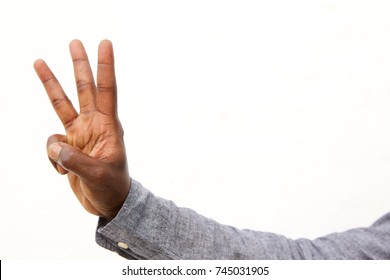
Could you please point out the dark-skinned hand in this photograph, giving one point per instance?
(92, 152)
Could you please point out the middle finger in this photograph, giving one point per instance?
(86, 89)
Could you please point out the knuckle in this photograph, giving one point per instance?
(80, 60)
(49, 80)
(59, 101)
(108, 85)
(102, 87)
(68, 124)
(55, 138)
(83, 86)
(68, 158)
(51, 139)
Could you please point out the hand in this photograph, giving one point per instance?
(92, 153)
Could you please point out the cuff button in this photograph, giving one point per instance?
(123, 245)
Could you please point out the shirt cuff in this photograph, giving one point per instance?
(139, 229)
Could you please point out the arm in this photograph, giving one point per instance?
(154, 228)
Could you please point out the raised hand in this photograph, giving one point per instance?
(92, 153)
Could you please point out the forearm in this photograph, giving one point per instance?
(155, 228)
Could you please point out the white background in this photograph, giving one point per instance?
(268, 115)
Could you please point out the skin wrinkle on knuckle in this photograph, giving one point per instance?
(83, 86)
(68, 124)
(103, 113)
(86, 108)
(104, 88)
(46, 81)
(106, 64)
(58, 101)
(79, 60)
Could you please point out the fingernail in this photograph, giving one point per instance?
(54, 151)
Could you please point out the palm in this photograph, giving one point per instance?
(95, 130)
(89, 132)
(92, 134)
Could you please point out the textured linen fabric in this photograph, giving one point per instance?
(155, 228)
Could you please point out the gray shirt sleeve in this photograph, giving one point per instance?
(150, 227)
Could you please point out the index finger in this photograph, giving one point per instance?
(60, 102)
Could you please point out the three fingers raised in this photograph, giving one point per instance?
(101, 97)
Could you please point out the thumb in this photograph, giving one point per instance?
(72, 159)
